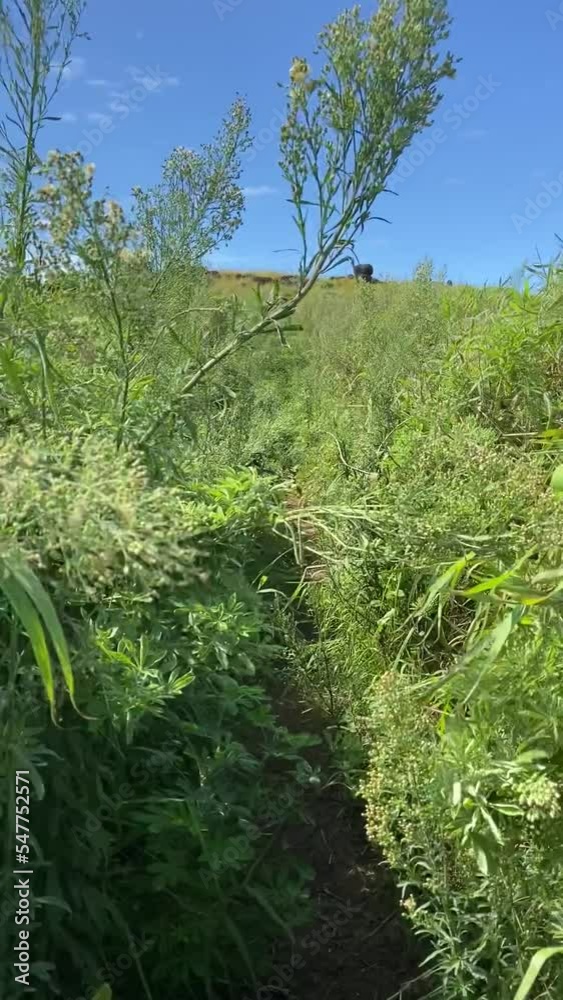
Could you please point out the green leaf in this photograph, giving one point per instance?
(536, 965)
(500, 634)
(241, 945)
(484, 853)
(44, 605)
(482, 859)
(449, 577)
(29, 618)
(549, 574)
(13, 378)
(530, 756)
(506, 808)
(493, 583)
(39, 344)
(263, 902)
(179, 683)
(557, 480)
(553, 432)
(53, 901)
(492, 826)
(104, 993)
(486, 585)
(526, 595)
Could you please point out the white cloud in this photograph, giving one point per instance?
(539, 173)
(259, 191)
(152, 78)
(74, 70)
(98, 82)
(99, 118)
(454, 181)
(118, 104)
(68, 117)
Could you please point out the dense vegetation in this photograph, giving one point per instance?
(425, 459)
(186, 476)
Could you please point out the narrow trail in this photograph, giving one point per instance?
(359, 946)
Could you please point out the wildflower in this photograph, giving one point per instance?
(114, 212)
(409, 904)
(47, 192)
(299, 71)
(540, 797)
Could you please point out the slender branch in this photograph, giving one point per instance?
(119, 327)
(384, 122)
(271, 319)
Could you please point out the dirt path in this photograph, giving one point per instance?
(359, 946)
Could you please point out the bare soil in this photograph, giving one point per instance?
(359, 946)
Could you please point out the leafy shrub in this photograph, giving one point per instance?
(176, 756)
(438, 610)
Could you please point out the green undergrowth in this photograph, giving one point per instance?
(155, 805)
(196, 489)
(422, 431)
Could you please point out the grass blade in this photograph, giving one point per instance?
(536, 965)
(104, 993)
(37, 593)
(29, 618)
(13, 378)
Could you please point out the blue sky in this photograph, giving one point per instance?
(480, 201)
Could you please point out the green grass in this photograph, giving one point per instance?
(360, 497)
(421, 425)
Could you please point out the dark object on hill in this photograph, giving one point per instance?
(450, 282)
(364, 272)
